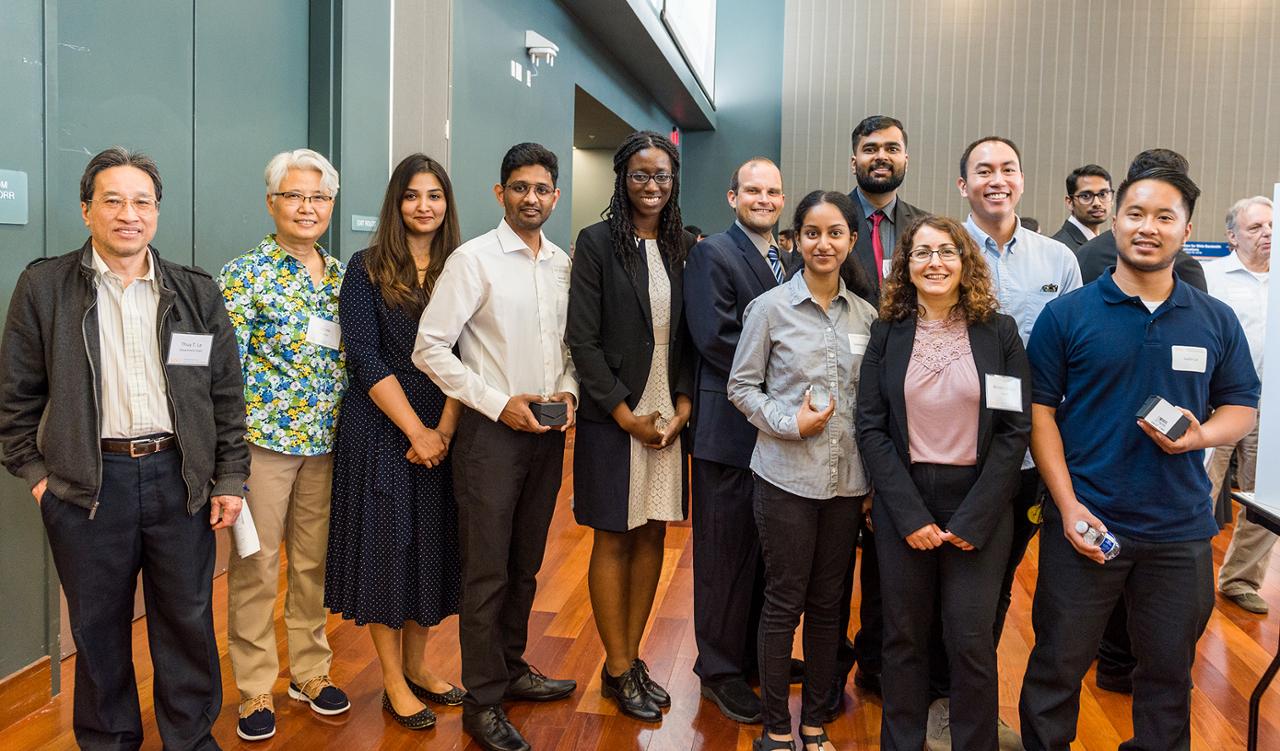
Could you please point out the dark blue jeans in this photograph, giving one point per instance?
(142, 524)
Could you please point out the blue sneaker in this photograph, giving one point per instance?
(257, 719)
(324, 697)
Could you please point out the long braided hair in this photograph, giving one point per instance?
(670, 226)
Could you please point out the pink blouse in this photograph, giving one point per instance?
(943, 395)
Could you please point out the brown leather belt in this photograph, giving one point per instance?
(136, 447)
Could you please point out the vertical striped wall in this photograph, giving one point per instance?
(1071, 82)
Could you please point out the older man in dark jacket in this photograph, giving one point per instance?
(121, 405)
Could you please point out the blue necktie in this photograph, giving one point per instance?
(775, 263)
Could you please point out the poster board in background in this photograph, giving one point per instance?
(1267, 482)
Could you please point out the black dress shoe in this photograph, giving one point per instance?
(869, 682)
(656, 692)
(491, 730)
(534, 686)
(797, 671)
(735, 699)
(626, 691)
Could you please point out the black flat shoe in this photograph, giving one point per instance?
(765, 743)
(491, 730)
(735, 699)
(656, 692)
(416, 721)
(450, 698)
(534, 686)
(626, 691)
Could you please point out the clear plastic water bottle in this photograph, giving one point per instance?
(1105, 541)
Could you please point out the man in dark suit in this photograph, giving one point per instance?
(1088, 204)
(724, 273)
(879, 164)
(1099, 253)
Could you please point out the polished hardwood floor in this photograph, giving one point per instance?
(1232, 654)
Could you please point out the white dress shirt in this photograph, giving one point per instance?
(1245, 292)
(506, 310)
(133, 397)
(1088, 233)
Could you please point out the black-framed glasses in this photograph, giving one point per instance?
(1088, 196)
(945, 253)
(293, 199)
(643, 178)
(541, 190)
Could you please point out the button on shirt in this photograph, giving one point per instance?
(1095, 357)
(134, 396)
(1246, 293)
(789, 344)
(292, 385)
(505, 309)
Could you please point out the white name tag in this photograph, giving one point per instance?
(858, 343)
(1190, 359)
(1004, 392)
(323, 332)
(190, 349)
(885, 266)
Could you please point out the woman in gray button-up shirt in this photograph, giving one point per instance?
(795, 377)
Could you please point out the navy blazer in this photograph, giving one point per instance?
(609, 327)
(724, 272)
(885, 444)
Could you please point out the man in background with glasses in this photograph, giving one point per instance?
(502, 299)
(1088, 205)
(121, 405)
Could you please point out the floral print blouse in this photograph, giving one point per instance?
(293, 381)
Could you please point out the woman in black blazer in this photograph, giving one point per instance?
(629, 344)
(943, 424)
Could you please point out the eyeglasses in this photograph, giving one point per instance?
(1087, 196)
(642, 178)
(541, 190)
(294, 200)
(945, 253)
(116, 204)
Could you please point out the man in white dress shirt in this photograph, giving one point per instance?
(1240, 280)
(502, 299)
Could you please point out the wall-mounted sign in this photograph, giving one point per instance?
(13, 197)
(361, 223)
(1207, 250)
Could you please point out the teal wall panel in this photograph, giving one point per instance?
(364, 150)
(492, 111)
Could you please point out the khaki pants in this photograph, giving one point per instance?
(289, 497)
(1247, 557)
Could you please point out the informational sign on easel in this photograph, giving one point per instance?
(1267, 484)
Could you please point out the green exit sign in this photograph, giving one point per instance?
(13, 197)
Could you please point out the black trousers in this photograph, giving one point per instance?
(141, 524)
(728, 575)
(864, 648)
(506, 484)
(967, 586)
(1169, 591)
(806, 544)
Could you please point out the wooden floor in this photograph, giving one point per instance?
(563, 643)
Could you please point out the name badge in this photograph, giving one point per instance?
(1004, 392)
(885, 266)
(190, 349)
(1190, 359)
(858, 343)
(323, 332)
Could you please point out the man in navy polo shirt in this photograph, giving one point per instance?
(1096, 355)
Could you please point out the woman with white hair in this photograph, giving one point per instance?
(282, 298)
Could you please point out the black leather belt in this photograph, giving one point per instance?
(136, 447)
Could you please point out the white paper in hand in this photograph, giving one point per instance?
(245, 534)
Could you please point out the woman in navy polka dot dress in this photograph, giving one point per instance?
(393, 561)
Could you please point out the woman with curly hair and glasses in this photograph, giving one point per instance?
(629, 344)
(943, 424)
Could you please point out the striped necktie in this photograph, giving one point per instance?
(775, 263)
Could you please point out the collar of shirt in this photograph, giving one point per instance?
(988, 243)
(798, 291)
(868, 209)
(273, 249)
(1112, 293)
(510, 242)
(761, 242)
(101, 267)
(1088, 233)
(1231, 264)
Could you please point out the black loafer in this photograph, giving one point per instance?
(626, 691)
(656, 692)
(735, 699)
(450, 698)
(869, 682)
(534, 686)
(416, 721)
(491, 730)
